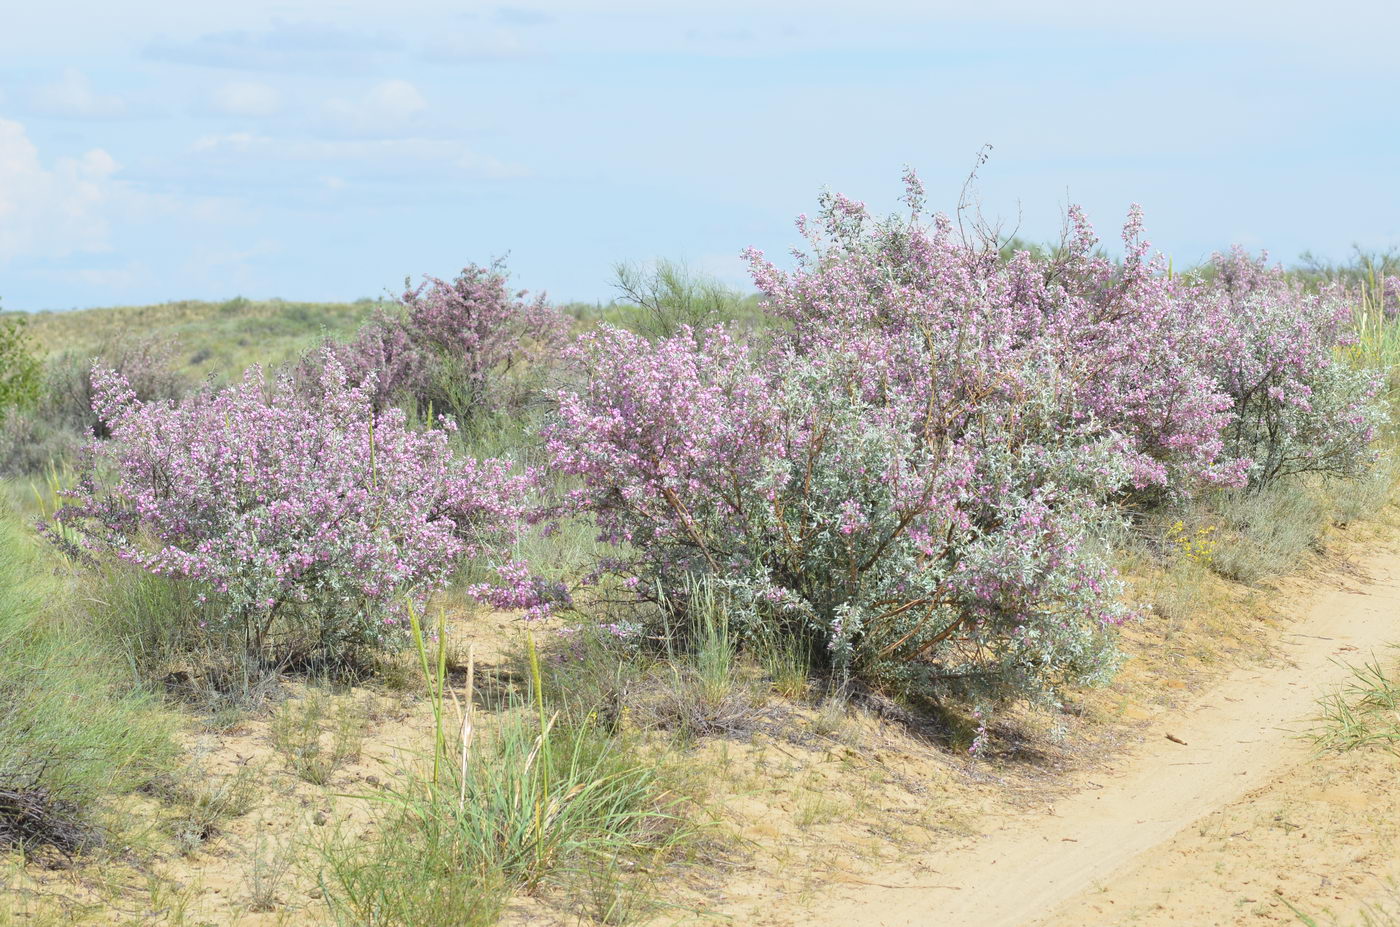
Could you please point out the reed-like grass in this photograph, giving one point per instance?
(1377, 333)
(1376, 346)
(1363, 714)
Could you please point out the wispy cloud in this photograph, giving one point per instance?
(73, 95)
(245, 98)
(304, 46)
(49, 211)
(67, 223)
(479, 43)
(386, 108)
(384, 155)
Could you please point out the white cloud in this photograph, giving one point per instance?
(73, 95)
(51, 211)
(245, 98)
(387, 107)
(72, 206)
(395, 99)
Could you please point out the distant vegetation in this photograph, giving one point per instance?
(909, 469)
(205, 338)
(20, 370)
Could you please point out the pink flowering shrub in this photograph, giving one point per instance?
(460, 347)
(1298, 408)
(910, 542)
(1129, 351)
(146, 364)
(301, 517)
(921, 471)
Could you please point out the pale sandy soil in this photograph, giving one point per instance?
(1216, 830)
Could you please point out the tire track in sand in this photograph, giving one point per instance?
(1237, 736)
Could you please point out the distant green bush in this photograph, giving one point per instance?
(19, 368)
(667, 295)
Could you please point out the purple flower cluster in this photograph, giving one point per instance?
(296, 511)
(1296, 407)
(458, 347)
(1128, 349)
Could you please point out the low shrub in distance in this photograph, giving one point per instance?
(19, 368)
(464, 347)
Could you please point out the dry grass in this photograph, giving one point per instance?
(317, 734)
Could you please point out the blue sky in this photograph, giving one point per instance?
(326, 150)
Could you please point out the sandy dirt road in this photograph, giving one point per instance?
(1238, 736)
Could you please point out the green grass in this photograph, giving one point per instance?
(552, 800)
(786, 661)
(1363, 714)
(202, 803)
(1377, 340)
(152, 625)
(219, 339)
(73, 733)
(1266, 533)
(315, 737)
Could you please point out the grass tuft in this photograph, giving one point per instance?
(72, 736)
(316, 737)
(1266, 533)
(553, 799)
(1363, 714)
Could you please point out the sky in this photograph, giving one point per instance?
(328, 149)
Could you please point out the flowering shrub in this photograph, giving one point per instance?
(300, 515)
(920, 471)
(910, 547)
(61, 419)
(1128, 349)
(144, 363)
(1298, 408)
(459, 347)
